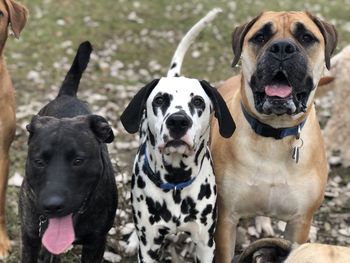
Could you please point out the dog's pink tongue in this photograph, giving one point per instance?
(59, 234)
(281, 91)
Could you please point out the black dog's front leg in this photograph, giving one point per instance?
(93, 253)
(30, 248)
(47, 257)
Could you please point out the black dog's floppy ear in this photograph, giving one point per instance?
(238, 39)
(37, 122)
(101, 128)
(227, 125)
(131, 117)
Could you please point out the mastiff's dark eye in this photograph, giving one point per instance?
(39, 163)
(158, 101)
(198, 101)
(259, 38)
(1, 13)
(307, 38)
(78, 162)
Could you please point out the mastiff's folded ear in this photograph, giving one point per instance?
(131, 117)
(101, 128)
(227, 125)
(330, 36)
(238, 36)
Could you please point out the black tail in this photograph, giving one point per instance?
(71, 82)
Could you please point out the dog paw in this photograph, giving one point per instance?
(263, 225)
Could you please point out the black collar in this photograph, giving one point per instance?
(269, 131)
(155, 178)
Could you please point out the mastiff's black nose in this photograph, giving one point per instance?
(53, 204)
(178, 124)
(282, 49)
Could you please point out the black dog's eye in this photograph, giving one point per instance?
(78, 161)
(259, 38)
(39, 163)
(198, 101)
(159, 100)
(307, 38)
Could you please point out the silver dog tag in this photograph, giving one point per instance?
(296, 154)
(296, 149)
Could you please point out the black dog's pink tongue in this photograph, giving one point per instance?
(282, 91)
(59, 234)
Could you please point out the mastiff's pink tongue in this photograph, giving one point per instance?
(282, 91)
(59, 234)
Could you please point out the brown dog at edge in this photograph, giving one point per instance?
(274, 165)
(14, 14)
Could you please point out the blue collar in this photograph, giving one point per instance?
(269, 131)
(155, 178)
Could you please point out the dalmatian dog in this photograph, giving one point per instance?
(173, 184)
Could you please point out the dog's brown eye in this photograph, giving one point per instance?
(259, 38)
(1, 14)
(197, 101)
(307, 38)
(39, 163)
(158, 100)
(78, 162)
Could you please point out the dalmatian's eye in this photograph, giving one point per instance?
(198, 101)
(158, 101)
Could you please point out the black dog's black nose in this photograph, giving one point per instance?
(178, 123)
(283, 48)
(53, 204)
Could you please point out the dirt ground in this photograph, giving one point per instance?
(133, 42)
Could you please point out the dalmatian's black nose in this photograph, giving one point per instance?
(178, 124)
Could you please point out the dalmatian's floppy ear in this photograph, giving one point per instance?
(131, 117)
(227, 125)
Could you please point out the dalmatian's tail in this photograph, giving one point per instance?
(176, 62)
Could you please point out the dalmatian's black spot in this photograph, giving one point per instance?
(158, 240)
(173, 65)
(177, 174)
(139, 214)
(133, 180)
(165, 137)
(179, 107)
(157, 210)
(211, 233)
(163, 231)
(140, 182)
(141, 197)
(214, 189)
(161, 101)
(207, 210)
(153, 254)
(177, 197)
(201, 146)
(204, 191)
(188, 207)
(151, 137)
(177, 75)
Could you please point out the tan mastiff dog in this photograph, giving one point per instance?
(14, 14)
(274, 164)
(277, 250)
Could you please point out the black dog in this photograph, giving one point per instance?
(69, 192)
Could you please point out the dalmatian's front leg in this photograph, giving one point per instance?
(205, 250)
(150, 244)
